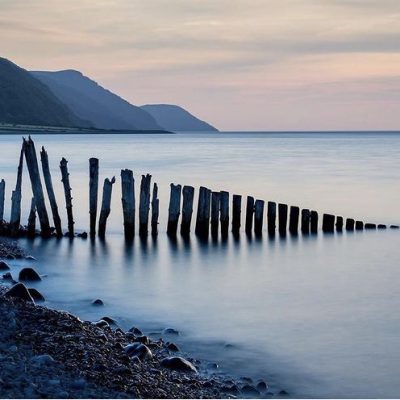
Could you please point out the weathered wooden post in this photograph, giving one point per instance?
(15, 218)
(2, 199)
(282, 215)
(359, 225)
(144, 205)
(349, 224)
(32, 220)
(294, 220)
(305, 221)
(93, 193)
(187, 209)
(105, 206)
(258, 217)
(203, 213)
(155, 210)
(215, 207)
(224, 213)
(382, 226)
(67, 194)
(249, 215)
(236, 213)
(128, 202)
(314, 222)
(339, 223)
(328, 223)
(174, 209)
(370, 226)
(37, 189)
(44, 158)
(271, 218)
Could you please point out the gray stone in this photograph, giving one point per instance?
(178, 364)
(138, 350)
(19, 291)
(28, 274)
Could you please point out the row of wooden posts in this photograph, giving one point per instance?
(213, 210)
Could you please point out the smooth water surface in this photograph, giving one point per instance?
(317, 316)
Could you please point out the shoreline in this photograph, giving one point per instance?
(45, 349)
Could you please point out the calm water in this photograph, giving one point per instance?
(317, 316)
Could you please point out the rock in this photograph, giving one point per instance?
(136, 331)
(213, 365)
(43, 359)
(109, 320)
(98, 302)
(30, 258)
(8, 277)
(233, 389)
(246, 379)
(4, 266)
(170, 331)
(142, 339)
(262, 386)
(283, 393)
(178, 364)
(19, 291)
(102, 324)
(28, 274)
(138, 350)
(172, 347)
(249, 390)
(36, 295)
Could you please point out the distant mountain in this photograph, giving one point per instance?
(175, 118)
(25, 100)
(89, 101)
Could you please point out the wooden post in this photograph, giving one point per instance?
(224, 213)
(249, 215)
(2, 199)
(359, 225)
(174, 209)
(314, 221)
(215, 207)
(258, 217)
(382, 226)
(370, 226)
(282, 215)
(271, 218)
(15, 218)
(93, 193)
(339, 224)
(32, 220)
(187, 209)
(203, 213)
(144, 205)
(236, 213)
(349, 224)
(128, 202)
(294, 220)
(44, 158)
(67, 194)
(37, 189)
(328, 223)
(105, 206)
(305, 221)
(155, 210)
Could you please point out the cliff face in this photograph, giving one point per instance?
(26, 100)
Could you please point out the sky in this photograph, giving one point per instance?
(238, 64)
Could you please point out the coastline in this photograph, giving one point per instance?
(51, 353)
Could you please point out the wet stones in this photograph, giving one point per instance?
(36, 295)
(172, 347)
(170, 331)
(139, 350)
(4, 266)
(97, 302)
(7, 276)
(29, 274)
(178, 364)
(19, 291)
(136, 331)
(110, 321)
(250, 391)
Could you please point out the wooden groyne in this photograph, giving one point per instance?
(217, 210)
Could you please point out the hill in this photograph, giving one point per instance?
(175, 118)
(25, 100)
(92, 102)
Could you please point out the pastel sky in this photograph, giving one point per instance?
(239, 64)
